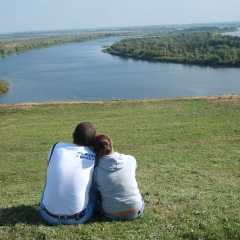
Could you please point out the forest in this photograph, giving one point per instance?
(202, 48)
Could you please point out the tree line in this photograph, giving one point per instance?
(194, 48)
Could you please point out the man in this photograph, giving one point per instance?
(67, 196)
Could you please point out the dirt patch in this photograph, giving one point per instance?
(223, 100)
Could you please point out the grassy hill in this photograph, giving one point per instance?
(188, 172)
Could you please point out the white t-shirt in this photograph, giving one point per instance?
(69, 178)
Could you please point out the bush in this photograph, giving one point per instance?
(4, 86)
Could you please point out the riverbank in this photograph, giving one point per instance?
(187, 152)
(19, 44)
(216, 97)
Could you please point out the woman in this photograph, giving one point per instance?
(115, 179)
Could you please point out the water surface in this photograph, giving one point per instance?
(80, 71)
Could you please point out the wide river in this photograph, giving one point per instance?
(81, 72)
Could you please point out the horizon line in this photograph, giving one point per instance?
(116, 27)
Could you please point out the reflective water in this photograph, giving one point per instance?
(80, 71)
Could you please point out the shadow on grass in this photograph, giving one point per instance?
(28, 214)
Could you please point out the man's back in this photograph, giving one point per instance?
(69, 178)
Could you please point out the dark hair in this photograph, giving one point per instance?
(102, 145)
(84, 134)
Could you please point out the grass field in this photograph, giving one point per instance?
(188, 154)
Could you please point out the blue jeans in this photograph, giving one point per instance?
(126, 217)
(93, 200)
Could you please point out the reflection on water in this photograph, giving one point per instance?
(80, 71)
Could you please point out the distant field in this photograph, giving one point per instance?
(188, 166)
(17, 44)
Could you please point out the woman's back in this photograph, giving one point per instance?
(115, 179)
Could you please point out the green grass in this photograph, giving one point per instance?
(188, 154)
(4, 86)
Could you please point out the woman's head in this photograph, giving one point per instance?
(102, 145)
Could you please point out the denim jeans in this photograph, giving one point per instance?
(126, 217)
(93, 200)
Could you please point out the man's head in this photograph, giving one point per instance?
(84, 134)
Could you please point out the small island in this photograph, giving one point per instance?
(201, 48)
(4, 86)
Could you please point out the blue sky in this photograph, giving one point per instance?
(35, 15)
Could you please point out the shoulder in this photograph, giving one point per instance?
(127, 158)
(88, 150)
(62, 144)
(130, 157)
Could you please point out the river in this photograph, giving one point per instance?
(82, 72)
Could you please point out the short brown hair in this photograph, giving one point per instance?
(84, 134)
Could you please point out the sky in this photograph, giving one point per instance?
(40, 15)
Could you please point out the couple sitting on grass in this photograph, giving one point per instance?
(86, 173)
